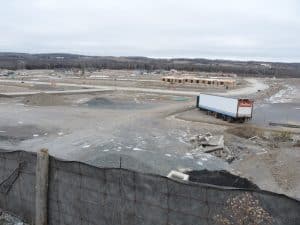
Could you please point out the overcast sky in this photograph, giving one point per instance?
(234, 29)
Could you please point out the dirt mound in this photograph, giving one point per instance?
(99, 101)
(246, 132)
(44, 100)
(221, 178)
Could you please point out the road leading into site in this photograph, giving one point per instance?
(254, 86)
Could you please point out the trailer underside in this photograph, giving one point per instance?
(225, 117)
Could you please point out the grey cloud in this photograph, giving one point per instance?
(250, 29)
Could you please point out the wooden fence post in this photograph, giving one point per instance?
(41, 196)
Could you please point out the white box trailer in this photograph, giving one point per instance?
(231, 109)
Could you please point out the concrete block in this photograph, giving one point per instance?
(176, 175)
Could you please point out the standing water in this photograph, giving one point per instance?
(282, 107)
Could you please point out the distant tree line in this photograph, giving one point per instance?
(15, 61)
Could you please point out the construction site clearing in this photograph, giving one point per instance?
(213, 81)
(102, 116)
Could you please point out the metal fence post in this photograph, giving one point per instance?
(41, 197)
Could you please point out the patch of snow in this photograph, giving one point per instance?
(82, 100)
(283, 96)
(137, 149)
(180, 139)
(200, 163)
(188, 155)
(86, 146)
(99, 76)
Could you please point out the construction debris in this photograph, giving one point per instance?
(211, 144)
(207, 140)
(178, 175)
(253, 138)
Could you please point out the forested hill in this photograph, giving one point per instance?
(55, 61)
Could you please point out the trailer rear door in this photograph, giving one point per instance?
(245, 108)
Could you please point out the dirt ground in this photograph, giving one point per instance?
(13, 88)
(125, 78)
(272, 167)
(149, 128)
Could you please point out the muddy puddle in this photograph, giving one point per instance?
(116, 104)
(278, 112)
(282, 107)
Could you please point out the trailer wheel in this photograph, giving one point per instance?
(242, 120)
(230, 119)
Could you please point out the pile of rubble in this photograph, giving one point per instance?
(211, 144)
(6, 219)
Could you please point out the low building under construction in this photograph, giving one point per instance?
(213, 81)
